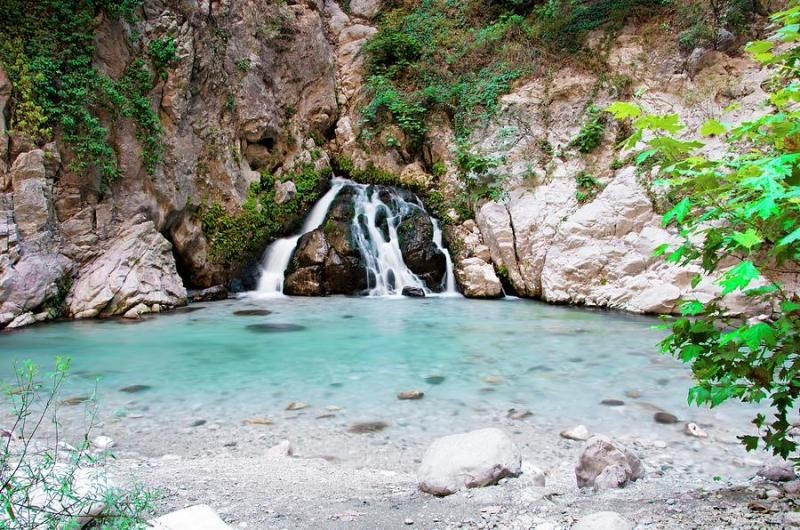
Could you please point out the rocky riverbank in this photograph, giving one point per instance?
(340, 480)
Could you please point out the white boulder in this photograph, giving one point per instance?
(469, 460)
(200, 517)
(603, 521)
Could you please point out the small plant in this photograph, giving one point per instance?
(592, 131)
(587, 187)
(46, 484)
(163, 53)
(243, 65)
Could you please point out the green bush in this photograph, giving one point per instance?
(238, 238)
(39, 477)
(738, 220)
(47, 48)
(592, 131)
(587, 187)
(163, 53)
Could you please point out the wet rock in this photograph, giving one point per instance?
(258, 421)
(134, 389)
(411, 394)
(579, 433)
(603, 521)
(367, 427)
(692, 429)
(665, 418)
(197, 423)
(252, 313)
(77, 400)
(519, 414)
(297, 405)
(275, 328)
(421, 255)
(782, 472)
(792, 487)
(612, 402)
(469, 460)
(413, 292)
(211, 294)
(25, 319)
(282, 449)
(435, 379)
(195, 517)
(605, 463)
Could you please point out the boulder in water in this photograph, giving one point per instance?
(469, 460)
(217, 292)
(367, 427)
(413, 292)
(665, 418)
(411, 394)
(252, 313)
(420, 252)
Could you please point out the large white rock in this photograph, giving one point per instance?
(138, 268)
(477, 278)
(469, 460)
(603, 521)
(606, 464)
(200, 517)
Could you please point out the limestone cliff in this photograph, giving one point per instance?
(271, 86)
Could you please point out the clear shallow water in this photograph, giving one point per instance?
(358, 353)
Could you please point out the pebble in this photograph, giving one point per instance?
(410, 394)
(133, 389)
(258, 421)
(297, 405)
(579, 433)
(520, 414)
(665, 418)
(612, 402)
(408, 521)
(197, 423)
(77, 400)
(692, 429)
(633, 394)
(367, 427)
(493, 379)
(102, 443)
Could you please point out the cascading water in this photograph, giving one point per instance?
(277, 256)
(376, 241)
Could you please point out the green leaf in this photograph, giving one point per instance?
(712, 128)
(623, 111)
(692, 308)
(791, 238)
(748, 239)
(678, 213)
(757, 335)
(668, 123)
(738, 277)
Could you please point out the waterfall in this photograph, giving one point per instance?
(450, 288)
(387, 273)
(278, 254)
(373, 232)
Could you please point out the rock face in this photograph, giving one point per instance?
(469, 460)
(606, 464)
(138, 268)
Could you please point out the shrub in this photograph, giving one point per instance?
(738, 219)
(46, 485)
(587, 187)
(592, 131)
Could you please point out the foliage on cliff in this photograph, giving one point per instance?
(738, 217)
(238, 237)
(47, 49)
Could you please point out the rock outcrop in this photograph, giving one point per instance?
(469, 460)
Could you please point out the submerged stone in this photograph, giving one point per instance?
(297, 405)
(133, 389)
(197, 423)
(435, 380)
(665, 418)
(519, 414)
(252, 313)
(77, 400)
(367, 427)
(258, 421)
(411, 394)
(413, 292)
(612, 402)
(275, 328)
